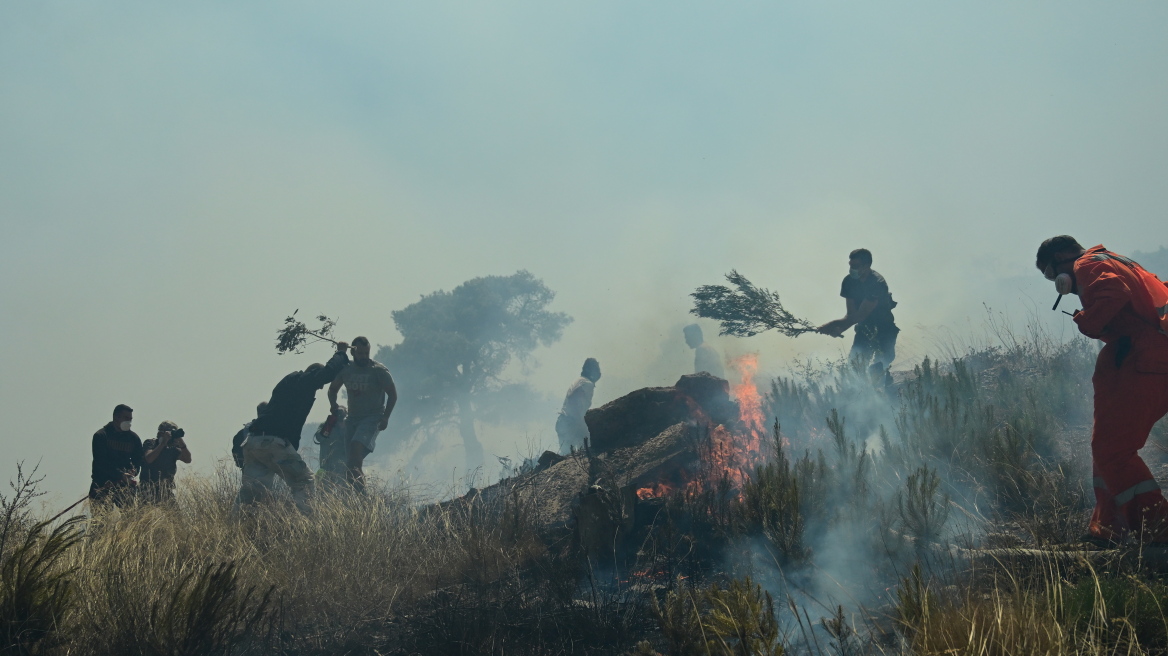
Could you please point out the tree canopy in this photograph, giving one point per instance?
(456, 345)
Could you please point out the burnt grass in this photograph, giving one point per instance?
(853, 537)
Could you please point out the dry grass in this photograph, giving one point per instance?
(340, 579)
(983, 446)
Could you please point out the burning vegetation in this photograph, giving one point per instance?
(731, 452)
(819, 514)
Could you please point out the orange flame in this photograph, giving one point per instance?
(732, 456)
(654, 490)
(749, 400)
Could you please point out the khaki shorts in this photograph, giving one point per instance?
(363, 430)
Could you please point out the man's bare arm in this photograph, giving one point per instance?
(332, 394)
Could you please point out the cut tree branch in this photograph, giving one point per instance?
(294, 335)
(747, 310)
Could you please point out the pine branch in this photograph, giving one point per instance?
(746, 311)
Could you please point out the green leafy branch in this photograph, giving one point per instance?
(294, 336)
(747, 310)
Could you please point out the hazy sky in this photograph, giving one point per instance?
(176, 178)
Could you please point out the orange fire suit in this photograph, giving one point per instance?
(1126, 307)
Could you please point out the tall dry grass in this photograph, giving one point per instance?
(341, 578)
(866, 482)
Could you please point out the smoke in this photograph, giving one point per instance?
(989, 446)
(176, 180)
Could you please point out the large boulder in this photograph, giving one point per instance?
(640, 415)
(648, 439)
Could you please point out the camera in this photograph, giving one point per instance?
(177, 434)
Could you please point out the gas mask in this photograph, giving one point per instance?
(1064, 283)
(125, 425)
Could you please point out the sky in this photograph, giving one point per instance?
(175, 179)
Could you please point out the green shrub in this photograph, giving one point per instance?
(777, 501)
(923, 509)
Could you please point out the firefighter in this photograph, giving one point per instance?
(1126, 307)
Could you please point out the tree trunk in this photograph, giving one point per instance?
(466, 428)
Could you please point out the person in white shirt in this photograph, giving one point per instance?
(570, 426)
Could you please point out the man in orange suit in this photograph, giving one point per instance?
(1126, 307)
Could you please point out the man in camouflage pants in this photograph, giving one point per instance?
(273, 439)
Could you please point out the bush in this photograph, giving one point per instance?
(779, 498)
(923, 510)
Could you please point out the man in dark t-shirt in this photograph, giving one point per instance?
(117, 457)
(160, 457)
(869, 305)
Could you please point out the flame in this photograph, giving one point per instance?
(749, 400)
(654, 490)
(735, 456)
(731, 455)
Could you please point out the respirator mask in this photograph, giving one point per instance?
(1064, 283)
(125, 425)
(854, 274)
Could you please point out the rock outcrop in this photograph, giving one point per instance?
(649, 437)
(638, 416)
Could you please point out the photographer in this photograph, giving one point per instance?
(161, 457)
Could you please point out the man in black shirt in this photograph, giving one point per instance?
(117, 457)
(160, 462)
(273, 439)
(869, 306)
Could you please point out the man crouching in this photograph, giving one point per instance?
(274, 437)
